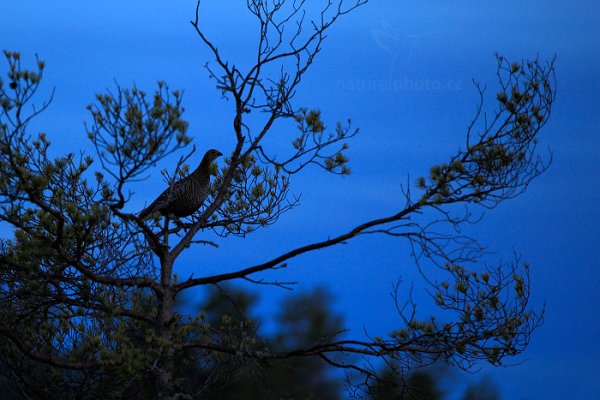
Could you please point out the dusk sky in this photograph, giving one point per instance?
(402, 71)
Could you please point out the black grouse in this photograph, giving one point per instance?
(186, 195)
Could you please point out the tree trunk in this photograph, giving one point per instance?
(165, 362)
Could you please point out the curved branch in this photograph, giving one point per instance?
(361, 229)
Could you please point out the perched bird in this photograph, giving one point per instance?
(186, 195)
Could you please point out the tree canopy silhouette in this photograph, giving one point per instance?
(88, 290)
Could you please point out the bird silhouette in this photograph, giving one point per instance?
(186, 195)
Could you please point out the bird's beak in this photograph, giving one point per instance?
(219, 153)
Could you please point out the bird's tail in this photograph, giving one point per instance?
(145, 213)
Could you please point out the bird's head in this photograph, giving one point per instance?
(211, 155)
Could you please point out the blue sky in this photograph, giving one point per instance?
(402, 71)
